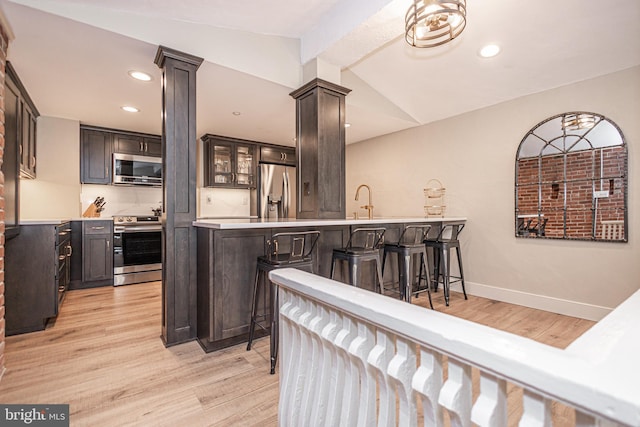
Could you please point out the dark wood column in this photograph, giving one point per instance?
(179, 316)
(320, 142)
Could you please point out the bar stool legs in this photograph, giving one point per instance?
(442, 257)
(354, 262)
(405, 279)
(261, 280)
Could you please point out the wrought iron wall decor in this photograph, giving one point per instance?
(571, 179)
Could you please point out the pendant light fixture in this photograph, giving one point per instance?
(430, 23)
(577, 121)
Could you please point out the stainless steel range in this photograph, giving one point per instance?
(137, 249)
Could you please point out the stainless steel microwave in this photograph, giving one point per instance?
(137, 170)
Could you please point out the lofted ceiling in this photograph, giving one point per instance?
(73, 57)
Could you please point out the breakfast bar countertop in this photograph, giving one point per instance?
(237, 224)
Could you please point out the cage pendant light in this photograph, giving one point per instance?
(430, 23)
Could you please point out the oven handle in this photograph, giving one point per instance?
(135, 228)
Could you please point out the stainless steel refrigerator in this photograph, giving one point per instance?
(277, 191)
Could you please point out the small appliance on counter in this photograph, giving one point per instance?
(137, 249)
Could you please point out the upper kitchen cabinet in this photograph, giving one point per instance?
(95, 156)
(229, 162)
(137, 144)
(278, 155)
(26, 117)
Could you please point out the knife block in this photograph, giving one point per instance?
(91, 212)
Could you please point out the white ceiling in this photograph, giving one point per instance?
(73, 57)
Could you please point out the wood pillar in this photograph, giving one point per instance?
(179, 316)
(320, 142)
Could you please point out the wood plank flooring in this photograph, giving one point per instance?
(104, 357)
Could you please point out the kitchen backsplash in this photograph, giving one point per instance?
(223, 202)
(122, 200)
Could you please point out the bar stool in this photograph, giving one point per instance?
(363, 245)
(293, 250)
(447, 239)
(410, 243)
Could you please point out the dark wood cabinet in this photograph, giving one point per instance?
(95, 156)
(37, 275)
(229, 162)
(278, 155)
(137, 144)
(11, 159)
(226, 268)
(26, 115)
(97, 146)
(97, 252)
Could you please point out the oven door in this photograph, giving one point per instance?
(137, 254)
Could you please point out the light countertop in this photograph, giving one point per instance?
(235, 224)
(58, 221)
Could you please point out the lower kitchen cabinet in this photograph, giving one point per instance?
(37, 275)
(93, 256)
(226, 269)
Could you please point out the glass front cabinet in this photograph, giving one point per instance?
(229, 162)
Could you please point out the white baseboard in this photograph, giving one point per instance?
(540, 302)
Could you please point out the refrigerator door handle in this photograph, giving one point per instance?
(286, 195)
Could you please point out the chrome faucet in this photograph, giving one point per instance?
(369, 206)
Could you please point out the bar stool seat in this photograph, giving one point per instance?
(447, 239)
(284, 250)
(409, 245)
(363, 246)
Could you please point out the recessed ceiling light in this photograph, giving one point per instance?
(130, 109)
(236, 113)
(139, 75)
(490, 51)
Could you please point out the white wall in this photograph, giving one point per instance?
(474, 156)
(55, 193)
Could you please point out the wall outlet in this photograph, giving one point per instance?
(208, 200)
(600, 194)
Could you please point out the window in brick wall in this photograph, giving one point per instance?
(571, 179)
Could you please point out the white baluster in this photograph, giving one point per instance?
(427, 382)
(456, 394)
(536, 410)
(304, 379)
(490, 409)
(337, 389)
(348, 383)
(401, 370)
(359, 350)
(316, 325)
(378, 363)
(327, 380)
(287, 303)
(288, 407)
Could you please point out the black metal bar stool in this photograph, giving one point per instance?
(363, 245)
(293, 250)
(410, 244)
(447, 239)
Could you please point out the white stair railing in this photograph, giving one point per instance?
(350, 357)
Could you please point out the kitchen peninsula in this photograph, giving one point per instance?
(227, 253)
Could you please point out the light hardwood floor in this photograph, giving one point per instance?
(104, 357)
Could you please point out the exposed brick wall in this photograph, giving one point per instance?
(586, 171)
(4, 42)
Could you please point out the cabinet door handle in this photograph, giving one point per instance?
(146, 147)
(62, 233)
(141, 146)
(69, 250)
(97, 228)
(61, 257)
(108, 244)
(233, 177)
(33, 162)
